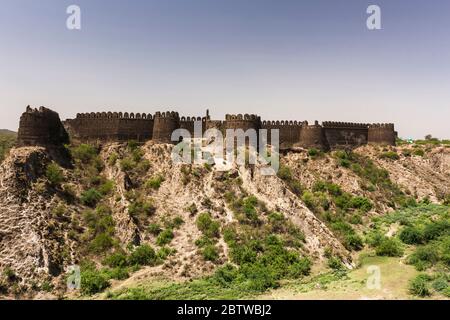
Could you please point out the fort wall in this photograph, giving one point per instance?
(313, 136)
(383, 133)
(345, 134)
(110, 126)
(43, 126)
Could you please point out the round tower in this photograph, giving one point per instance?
(383, 133)
(41, 127)
(163, 126)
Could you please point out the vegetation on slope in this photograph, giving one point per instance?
(424, 235)
(7, 141)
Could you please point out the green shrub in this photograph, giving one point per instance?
(258, 277)
(353, 241)
(164, 252)
(435, 229)
(419, 286)
(90, 197)
(177, 222)
(155, 229)
(137, 155)
(7, 141)
(165, 237)
(419, 152)
(101, 243)
(284, 173)
(424, 256)
(334, 189)
(226, 274)
(440, 284)
(132, 145)
(93, 281)
(100, 220)
(143, 255)
(299, 268)
(249, 208)
(210, 253)
(361, 203)
(392, 155)
(407, 153)
(411, 235)
(319, 186)
(313, 153)
(335, 263)
(389, 247)
(207, 225)
(355, 219)
(375, 238)
(54, 174)
(141, 210)
(106, 188)
(100, 229)
(309, 200)
(116, 273)
(116, 259)
(112, 159)
(155, 182)
(127, 164)
(84, 153)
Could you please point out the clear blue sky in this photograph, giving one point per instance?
(282, 59)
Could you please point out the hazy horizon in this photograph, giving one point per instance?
(283, 60)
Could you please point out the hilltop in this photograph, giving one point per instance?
(129, 217)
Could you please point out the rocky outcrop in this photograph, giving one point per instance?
(33, 244)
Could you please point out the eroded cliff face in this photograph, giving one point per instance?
(33, 244)
(37, 243)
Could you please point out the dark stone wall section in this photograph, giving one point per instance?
(43, 127)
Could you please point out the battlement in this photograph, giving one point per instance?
(382, 125)
(113, 115)
(43, 126)
(240, 117)
(277, 123)
(333, 124)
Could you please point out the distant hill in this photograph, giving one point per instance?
(7, 132)
(7, 141)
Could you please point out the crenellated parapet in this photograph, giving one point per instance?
(349, 125)
(41, 127)
(114, 115)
